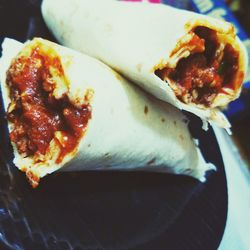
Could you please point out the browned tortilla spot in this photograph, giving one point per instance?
(181, 137)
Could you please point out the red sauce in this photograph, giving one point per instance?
(204, 74)
(37, 114)
(198, 43)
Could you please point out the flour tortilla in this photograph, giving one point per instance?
(135, 39)
(129, 130)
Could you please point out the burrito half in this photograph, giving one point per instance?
(192, 61)
(70, 112)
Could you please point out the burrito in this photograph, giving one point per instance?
(192, 61)
(67, 111)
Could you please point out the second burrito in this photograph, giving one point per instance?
(192, 61)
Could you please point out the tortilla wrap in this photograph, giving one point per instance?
(67, 111)
(192, 61)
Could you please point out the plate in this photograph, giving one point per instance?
(107, 210)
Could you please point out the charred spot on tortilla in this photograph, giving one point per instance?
(145, 109)
(211, 68)
(181, 137)
(39, 112)
(162, 119)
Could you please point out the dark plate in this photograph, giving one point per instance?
(106, 210)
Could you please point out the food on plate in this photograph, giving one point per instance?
(192, 61)
(67, 111)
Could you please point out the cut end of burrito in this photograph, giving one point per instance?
(206, 68)
(45, 125)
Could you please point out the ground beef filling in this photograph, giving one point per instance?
(35, 114)
(202, 75)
